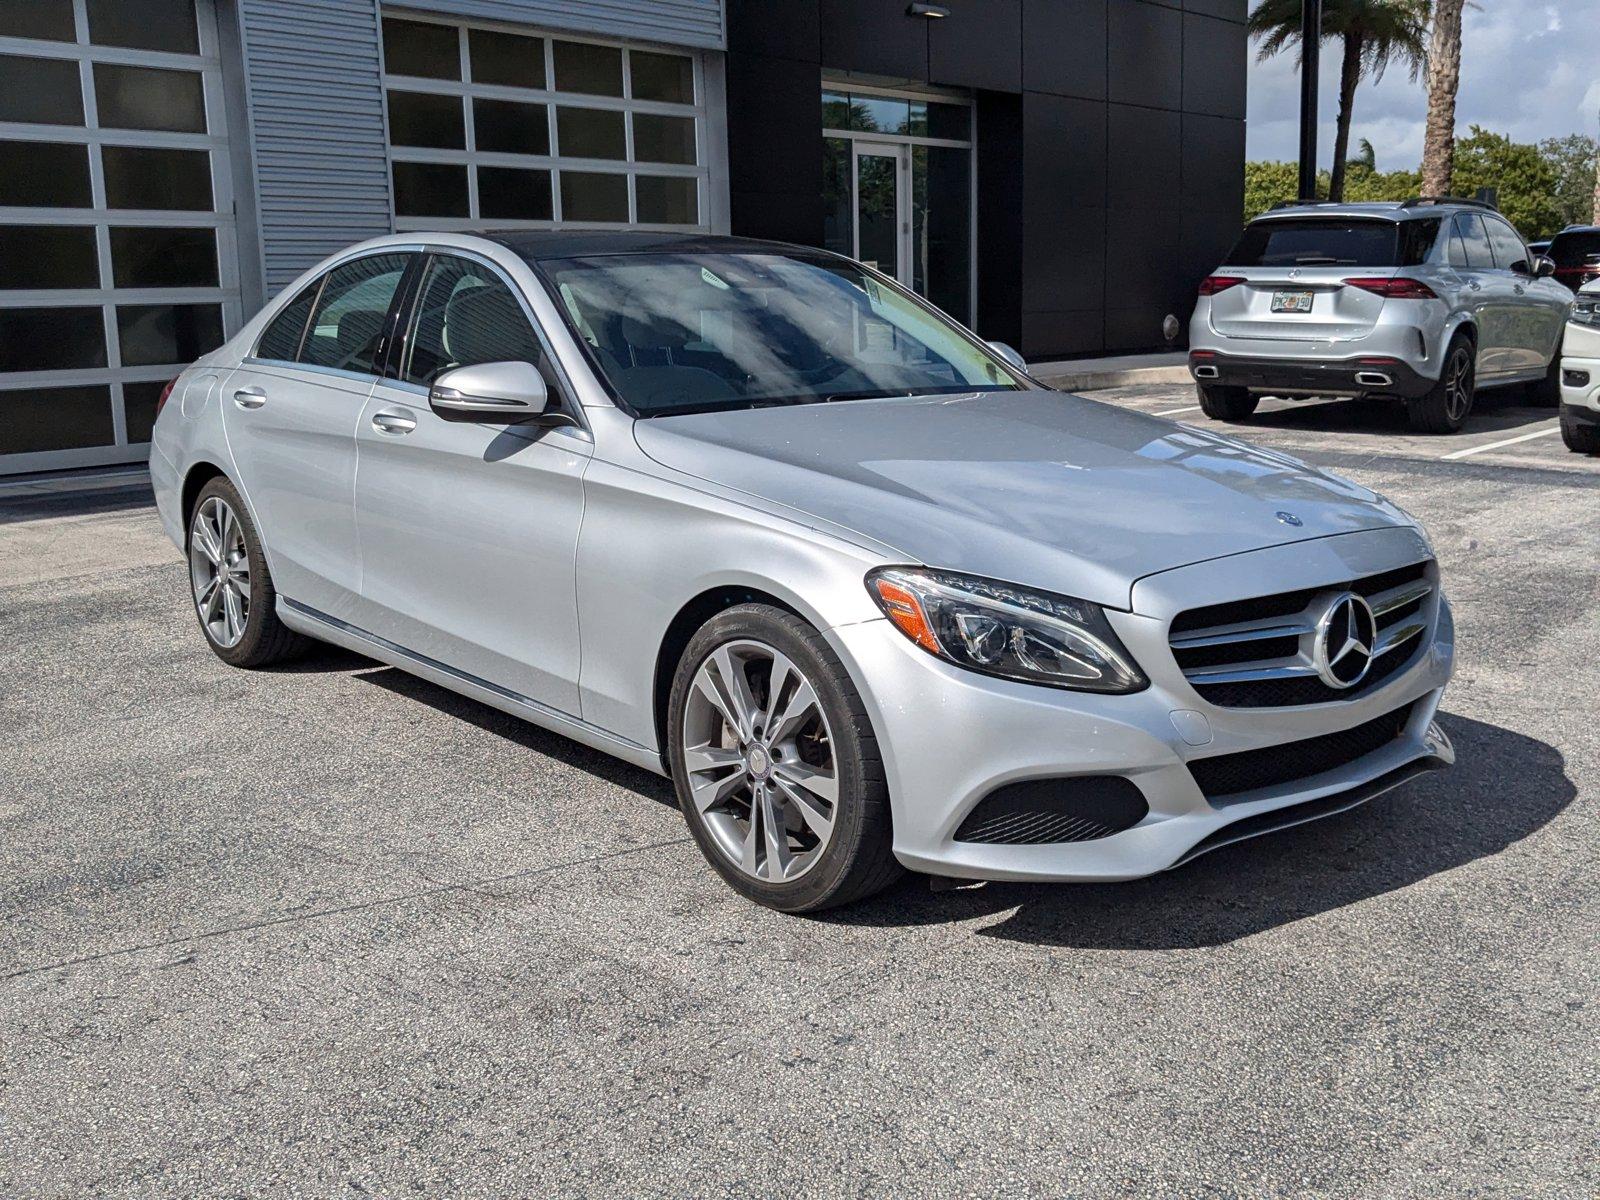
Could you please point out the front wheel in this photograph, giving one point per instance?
(232, 588)
(776, 766)
(1580, 439)
(1223, 403)
(1444, 408)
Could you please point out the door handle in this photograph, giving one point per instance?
(393, 422)
(250, 397)
(1521, 291)
(1473, 284)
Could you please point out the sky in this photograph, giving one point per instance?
(1530, 68)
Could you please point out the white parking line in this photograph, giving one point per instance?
(1172, 412)
(1526, 437)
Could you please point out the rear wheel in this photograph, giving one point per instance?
(1223, 403)
(1444, 408)
(1580, 438)
(231, 586)
(777, 769)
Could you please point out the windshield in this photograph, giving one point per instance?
(1334, 242)
(695, 332)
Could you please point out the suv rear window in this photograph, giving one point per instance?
(1575, 249)
(1334, 242)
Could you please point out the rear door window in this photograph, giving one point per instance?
(346, 329)
(1318, 242)
(1469, 244)
(1507, 244)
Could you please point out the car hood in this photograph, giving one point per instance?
(1033, 487)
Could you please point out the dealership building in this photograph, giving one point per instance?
(1058, 174)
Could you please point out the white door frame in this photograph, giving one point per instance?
(901, 154)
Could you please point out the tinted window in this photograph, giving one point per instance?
(149, 25)
(675, 333)
(347, 326)
(1469, 244)
(149, 98)
(423, 119)
(48, 20)
(40, 91)
(1507, 244)
(34, 419)
(1317, 242)
(416, 48)
(1575, 249)
(48, 256)
(430, 190)
(51, 339)
(281, 339)
(1417, 239)
(147, 177)
(510, 127)
(167, 333)
(154, 256)
(514, 194)
(467, 315)
(508, 59)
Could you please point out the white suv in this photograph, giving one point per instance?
(1580, 373)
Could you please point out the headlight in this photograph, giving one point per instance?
(1586, 310)
(1005, 630)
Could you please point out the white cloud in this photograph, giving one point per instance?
(1529, 68)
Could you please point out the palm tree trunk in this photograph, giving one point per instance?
(1595, 216)
(1444, 78)
(1349, 76)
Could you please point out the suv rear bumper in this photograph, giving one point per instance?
(1350, 377)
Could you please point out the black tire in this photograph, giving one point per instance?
(1580, 438)
(266, 639)
(1223, 403)
(1446, 406)
(1546, 392)
(857, 859)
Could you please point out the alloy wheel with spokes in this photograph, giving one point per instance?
(759, 756)
(219, 571)
(1458, 384)
(775, 762)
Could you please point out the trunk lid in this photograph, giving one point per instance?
(1336, 313)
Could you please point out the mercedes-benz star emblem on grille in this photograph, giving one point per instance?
(1288, 518)
(1346, 634)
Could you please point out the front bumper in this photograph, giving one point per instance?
(1580, 387)
(951, 737)
(1365, 376)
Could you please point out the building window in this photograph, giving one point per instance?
(118, 259)
(897, 188)
(523, 129)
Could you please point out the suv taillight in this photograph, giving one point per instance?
(161, 400)
(1212, 284)
(1399, 288)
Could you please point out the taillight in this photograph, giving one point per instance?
(1399, 288)
(161, 400)
(1212, 284)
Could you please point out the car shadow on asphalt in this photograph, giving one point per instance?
(38, 506)
(1504, 787)
(1500, 410)
(540, 741)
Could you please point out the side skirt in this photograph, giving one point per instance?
(312, 623)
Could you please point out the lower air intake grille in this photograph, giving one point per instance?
(1226, 775)
(1039, 811)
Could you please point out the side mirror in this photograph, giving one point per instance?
(1543, 266)
(1010, 355)
(497, 391)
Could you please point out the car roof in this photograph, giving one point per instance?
(1385, 210)
(538, 244)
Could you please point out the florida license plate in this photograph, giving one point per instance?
(1291, 301)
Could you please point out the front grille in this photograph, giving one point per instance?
(1226, 775)
(1258, 652)
(1035, 812)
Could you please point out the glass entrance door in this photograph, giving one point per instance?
(882, 209)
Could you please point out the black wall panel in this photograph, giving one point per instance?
(1110, 145)
(875, 36)
(978, 46)
(1064, 47)
(1144, 54)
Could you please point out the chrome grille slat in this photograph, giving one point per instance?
(1260, 651)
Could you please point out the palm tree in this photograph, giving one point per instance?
(1444, 77)
(1374, 33)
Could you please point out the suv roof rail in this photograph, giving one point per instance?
(1474, 202)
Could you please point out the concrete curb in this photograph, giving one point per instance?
(1088, 381)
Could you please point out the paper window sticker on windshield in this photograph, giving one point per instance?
(709, 277)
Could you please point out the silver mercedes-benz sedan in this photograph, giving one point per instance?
(754, 517)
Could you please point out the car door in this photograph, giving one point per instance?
(290, 412)
(1535, 317)
(469, 529)
(1487, 295)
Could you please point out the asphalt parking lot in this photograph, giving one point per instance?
(330, 930)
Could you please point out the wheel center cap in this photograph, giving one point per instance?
(758, 762)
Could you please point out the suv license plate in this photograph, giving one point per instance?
(1291, 301)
